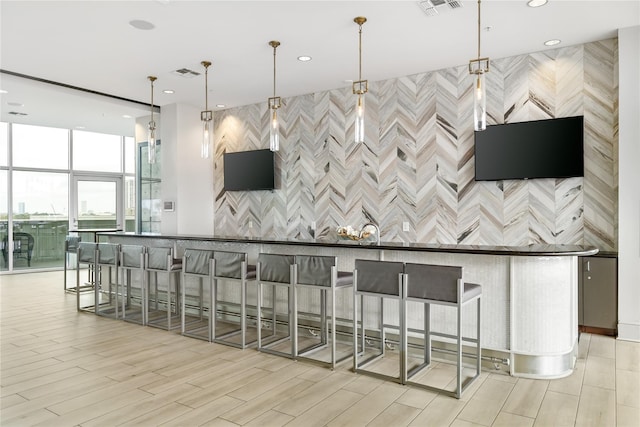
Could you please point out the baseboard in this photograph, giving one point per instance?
(629, 331)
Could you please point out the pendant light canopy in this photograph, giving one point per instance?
(360, 87)
(479, 67)
(151, 135)
(274, 104)
(206, 116)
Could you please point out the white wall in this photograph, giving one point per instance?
(628, 192)
(187, 179)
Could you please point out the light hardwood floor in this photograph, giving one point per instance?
(63, 368)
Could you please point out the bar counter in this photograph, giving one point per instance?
(529, 293)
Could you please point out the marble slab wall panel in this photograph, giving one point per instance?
(417, 164)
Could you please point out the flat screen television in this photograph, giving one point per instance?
(537, 149)
(249, 170)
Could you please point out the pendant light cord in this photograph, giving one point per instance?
(152, 80)
(206, 88)
(479, 30)
(360, 53)
(274, 70)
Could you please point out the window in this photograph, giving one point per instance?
(40, 147)
(97, 152)
(4, 144)
(150, 191)
(40, 218)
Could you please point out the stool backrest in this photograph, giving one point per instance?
(197, 261)
(132, 256)
(229, 264)
(108, 253)
(275, 268)
(158, 258)
(434, 282)
(314, 270)
(380, 277)
(71, 243)
(87, 252)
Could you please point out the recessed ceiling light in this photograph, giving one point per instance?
(552, 42)
(3, 91)
(80, 127)
(169, 91)
(536, 3)
(220, 105)
(126, 116)
(140, 24)
(304, 58)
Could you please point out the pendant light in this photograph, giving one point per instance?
(360, 87)
(151, 135)
(274, 104)
(206, 116)
(479, 67)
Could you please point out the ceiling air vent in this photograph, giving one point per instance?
(17, 113)
(433, 7)
(185, 72)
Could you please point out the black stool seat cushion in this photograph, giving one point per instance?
(345, 278)
(471, 291)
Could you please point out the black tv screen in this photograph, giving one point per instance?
(538, 149)
(249, 170)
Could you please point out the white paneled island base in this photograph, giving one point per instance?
(529, 294)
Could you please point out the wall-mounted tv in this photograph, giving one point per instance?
(537, 149)
(249, 170)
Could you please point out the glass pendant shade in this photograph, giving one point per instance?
(274, 103)
(480, 103)
(206, 116)
(151, 130)
(274, 132)
(207, 134)
(359, 123)
(151, 138)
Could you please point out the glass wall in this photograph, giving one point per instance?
(150, 194)
(38, 169)
(40, 207)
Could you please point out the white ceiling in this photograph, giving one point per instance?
(90, 44)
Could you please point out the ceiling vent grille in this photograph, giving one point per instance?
(185, 72)
(17, 113)
(433, 7)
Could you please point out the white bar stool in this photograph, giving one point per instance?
(442, 285)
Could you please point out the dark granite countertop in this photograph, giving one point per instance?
(530, 250)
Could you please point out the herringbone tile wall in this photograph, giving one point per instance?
(417, 162)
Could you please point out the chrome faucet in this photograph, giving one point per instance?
(377, 230)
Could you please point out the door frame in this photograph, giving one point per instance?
(117, 179)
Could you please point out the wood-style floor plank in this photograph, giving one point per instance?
(59, 367)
